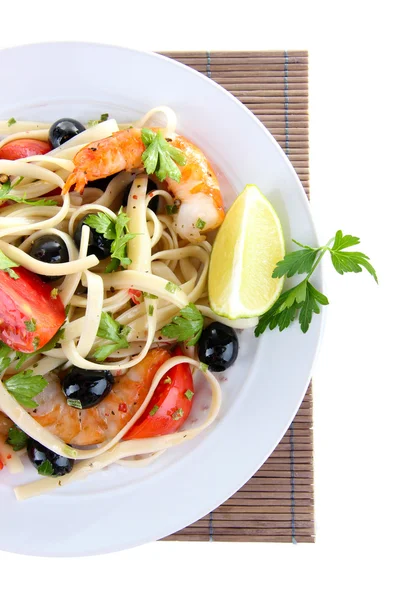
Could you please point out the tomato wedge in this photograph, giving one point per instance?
(169, 407)
(29, 316)
(23, 148)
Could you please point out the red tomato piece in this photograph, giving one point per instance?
(29, 316)
(23, 148)
(170, 405)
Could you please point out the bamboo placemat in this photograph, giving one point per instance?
(277, 504)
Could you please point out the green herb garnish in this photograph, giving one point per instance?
(30, 325)
(186, 326)
(17, 438)
(46, 469)
(4, 357)
(304, 299)
(25, 386)
(74, 403)
(92, 122)
(200, 224)
(203, 367)
(171, 209)
(150, 310)
(6, 264)
(160, 157)
(172, 287)
(11, 121)
(154, 410)
(5, 194)
(109, 329)
(177, 414)
(189, 394)
(115, 230)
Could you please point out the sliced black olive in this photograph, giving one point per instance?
(63, 130)
(48, 462)
(218, 347)
(50, 249)
(84, 389)
(97, 243)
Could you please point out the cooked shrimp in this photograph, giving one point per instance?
(198, 189)
(102, 422)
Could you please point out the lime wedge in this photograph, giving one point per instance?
(248, 245)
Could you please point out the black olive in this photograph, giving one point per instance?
(153, 204)
(63, 130)
(39, 454)
(102, 184)
(218, 347)
(97, 243)
(50, 249)
(87, 387)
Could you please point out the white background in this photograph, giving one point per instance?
(353, 112)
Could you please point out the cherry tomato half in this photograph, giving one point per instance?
(29, 316)
(170, 405)
(23, 148)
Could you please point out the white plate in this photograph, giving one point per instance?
(120, 508)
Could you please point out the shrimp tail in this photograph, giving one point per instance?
(78, 179)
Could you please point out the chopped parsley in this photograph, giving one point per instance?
(17, 438)
(74, 403)
(150, 310)
(172, 287)
(147, 295)
(189, 394)
(11, 121)
(203, 367)
(177, 414)
(30, 325)
(92, 122)
(171, 209)
(200, 224)
(154, 410)
(54, 293)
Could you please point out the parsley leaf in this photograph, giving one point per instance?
(189, 394)
(5, 194)
(6, 265)
(154, 410)
(185, 327)
(17, 438)
(349, 262)
(115, 230)
(11, 121)
(92, 122)
(46, 469)
(160, 157)
(304, 299)
(109, 329)
(299, 262)
(25, 386)
(4, 357)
